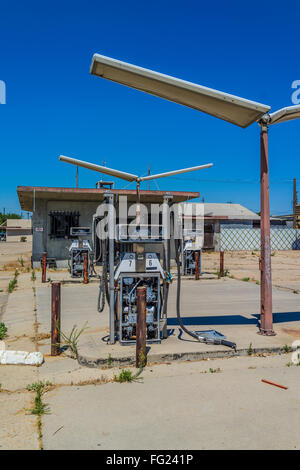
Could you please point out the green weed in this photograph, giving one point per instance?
(128, 376)
(39, 388)
(12, 285)
(71, 340)
(3, 331)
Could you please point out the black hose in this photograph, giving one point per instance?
(191, 333)
(103, 285)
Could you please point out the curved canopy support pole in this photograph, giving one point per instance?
(266, 314)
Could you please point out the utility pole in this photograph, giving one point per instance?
(77, 177)
(294, 203)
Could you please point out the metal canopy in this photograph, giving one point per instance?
(101, 169)
(175, 172)
(285, 114)
(129, 176)
(228, 107)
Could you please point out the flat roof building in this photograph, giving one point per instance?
(56, 210)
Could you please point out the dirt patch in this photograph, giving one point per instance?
(241, 264)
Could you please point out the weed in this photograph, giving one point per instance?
(273, 253)
(257, 282)
(71, 341)
(49, 279)
(213, 371)
(33, 275)
(27, 269)
(287, 348)
(250, 350)
(109, 360)
(3, 331)
(39, 408)
(16, 273)
(225, 273)
(12, 285)
(295, 292)
(21, 261)
(23, 239)
(128, 376)
(246, 279)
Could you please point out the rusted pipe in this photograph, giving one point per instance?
(141, 357)
(55, 318)
(44, 266)
(221, 263)
(273, 383)
(197, 265)
(85, 269)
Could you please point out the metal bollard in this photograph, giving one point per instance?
(44, 266)
(221, 263)
(197, 265)
(55, 318)
(85, 269)
(141, 357)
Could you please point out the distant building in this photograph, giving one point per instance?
(285, 220)
(218, 215)
(17, 228)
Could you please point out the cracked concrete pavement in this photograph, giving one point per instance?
(205, 404)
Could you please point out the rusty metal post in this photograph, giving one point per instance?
(221, 263)
(85, 269)
(44, 266)
(55, 318)
(141, 357)
(266, 314)
(196, 265)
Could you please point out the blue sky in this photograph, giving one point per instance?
(54, 106)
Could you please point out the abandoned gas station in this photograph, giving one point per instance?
(136, 276)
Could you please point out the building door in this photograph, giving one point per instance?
(208, 237)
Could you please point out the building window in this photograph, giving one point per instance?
(61, 223)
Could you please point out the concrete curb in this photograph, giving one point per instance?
(186, 356)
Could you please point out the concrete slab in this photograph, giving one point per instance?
(181, 406)
(18, 427)
(19, 319)
(229, 306)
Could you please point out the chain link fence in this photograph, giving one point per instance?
(235, 239)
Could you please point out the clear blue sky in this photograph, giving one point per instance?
(54, 106)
